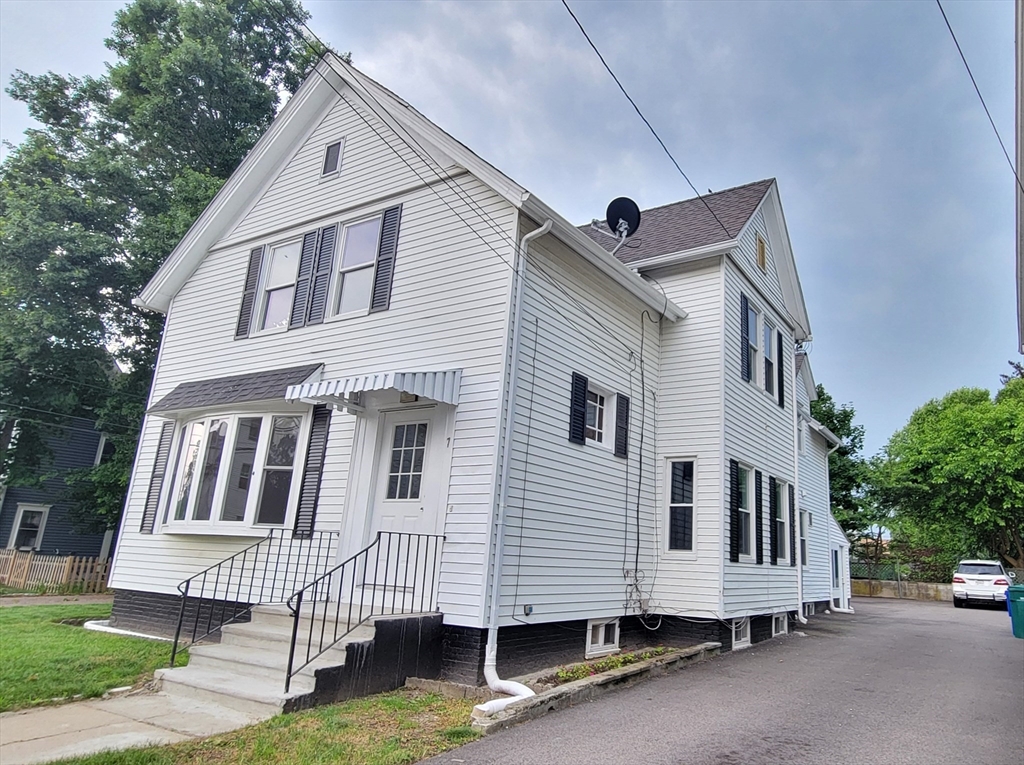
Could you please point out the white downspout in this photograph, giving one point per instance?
(517, 691)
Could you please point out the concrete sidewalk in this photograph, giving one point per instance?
(86, 727)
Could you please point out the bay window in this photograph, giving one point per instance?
(234, 471)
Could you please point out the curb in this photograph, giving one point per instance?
(591, 687)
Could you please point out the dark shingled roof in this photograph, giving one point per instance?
(222, 391)
(688, 224)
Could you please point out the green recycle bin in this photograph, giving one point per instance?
(1015, 594)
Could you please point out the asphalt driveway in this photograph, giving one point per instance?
(899, 683)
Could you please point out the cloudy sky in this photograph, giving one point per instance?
(898, 199)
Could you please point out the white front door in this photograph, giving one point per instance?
(407, 491)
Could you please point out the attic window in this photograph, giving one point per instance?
(762, 256)
(332, 158)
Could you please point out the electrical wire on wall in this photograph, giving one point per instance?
(526, 466)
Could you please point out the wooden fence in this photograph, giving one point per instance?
(60, 573)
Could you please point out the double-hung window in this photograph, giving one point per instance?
(27, 532)
(752, 337)
(234, 471)
(279, 285)
(680, 508)
(804, 523)
(354, 278)
(781, 524)
(769, 358)
(744, 511)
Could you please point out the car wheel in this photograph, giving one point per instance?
(957, 603)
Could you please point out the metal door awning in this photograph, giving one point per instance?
(442, 387)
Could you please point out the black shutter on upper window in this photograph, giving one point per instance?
(381, 297)
(781, 368)
(156, 478)
(745, 338)
(734, 511)
(792, 525)
(758, 518)
(321, 279)
(300, 300)
(578, 409)
(773, 503)
(621, 425)
(252, 281)
(312, 471)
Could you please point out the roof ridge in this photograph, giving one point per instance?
(696, 198)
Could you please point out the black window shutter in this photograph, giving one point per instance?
(621, 425)
(734, 511)
(758, 518)
(156, 478)
(309, 491)
(773, 542)
(781, 369)
(578, 409)
(252, 281)
(303, 281)
(321, 279)
(745, 338)
(792, 525)
(381, 298)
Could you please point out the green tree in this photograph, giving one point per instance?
(956, 472)
(846, 467)
(96, 198)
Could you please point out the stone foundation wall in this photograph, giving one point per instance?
(875, 588)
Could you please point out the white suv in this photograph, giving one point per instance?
(979, 580)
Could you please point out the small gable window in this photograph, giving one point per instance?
(332, 158)
(762, 254)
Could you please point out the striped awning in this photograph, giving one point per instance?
(442, 387)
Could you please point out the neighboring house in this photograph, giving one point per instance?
(372, 334)
(36, 517)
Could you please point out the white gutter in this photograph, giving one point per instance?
(685, 256)
(517, 691)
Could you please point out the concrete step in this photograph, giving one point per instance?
(257, 634)
(243, 693)
(279, 617)
(264, 662)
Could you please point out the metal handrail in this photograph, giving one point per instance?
(391, 574)
(237, 583)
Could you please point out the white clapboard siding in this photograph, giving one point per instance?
(571, 509)
(814, 499)
(767, 281)
(448, 310)
(372, 167)
(759, 433)
(689, 424)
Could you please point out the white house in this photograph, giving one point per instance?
(393, 381)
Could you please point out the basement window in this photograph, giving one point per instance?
(741, 634)
(780, 624)
(602, 637)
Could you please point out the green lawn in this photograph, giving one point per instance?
(42, 660)
(389, 729)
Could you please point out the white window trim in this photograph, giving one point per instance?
(780, 624)
(783, 505)
(610, 407)
(32, 508)
(761, 243)
(690, 554)
(751, 511)
(333, 294)
(332, 174)
(260, 309)
(739, 625)
(602, 649)
(248, 526)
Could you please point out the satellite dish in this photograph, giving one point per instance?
(623, 212)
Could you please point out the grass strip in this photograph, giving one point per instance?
(395, 728)
(43, 661)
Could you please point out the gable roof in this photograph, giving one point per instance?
(688, 224)
(310, 103)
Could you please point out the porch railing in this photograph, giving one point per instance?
(395, 574)
(268, 571)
